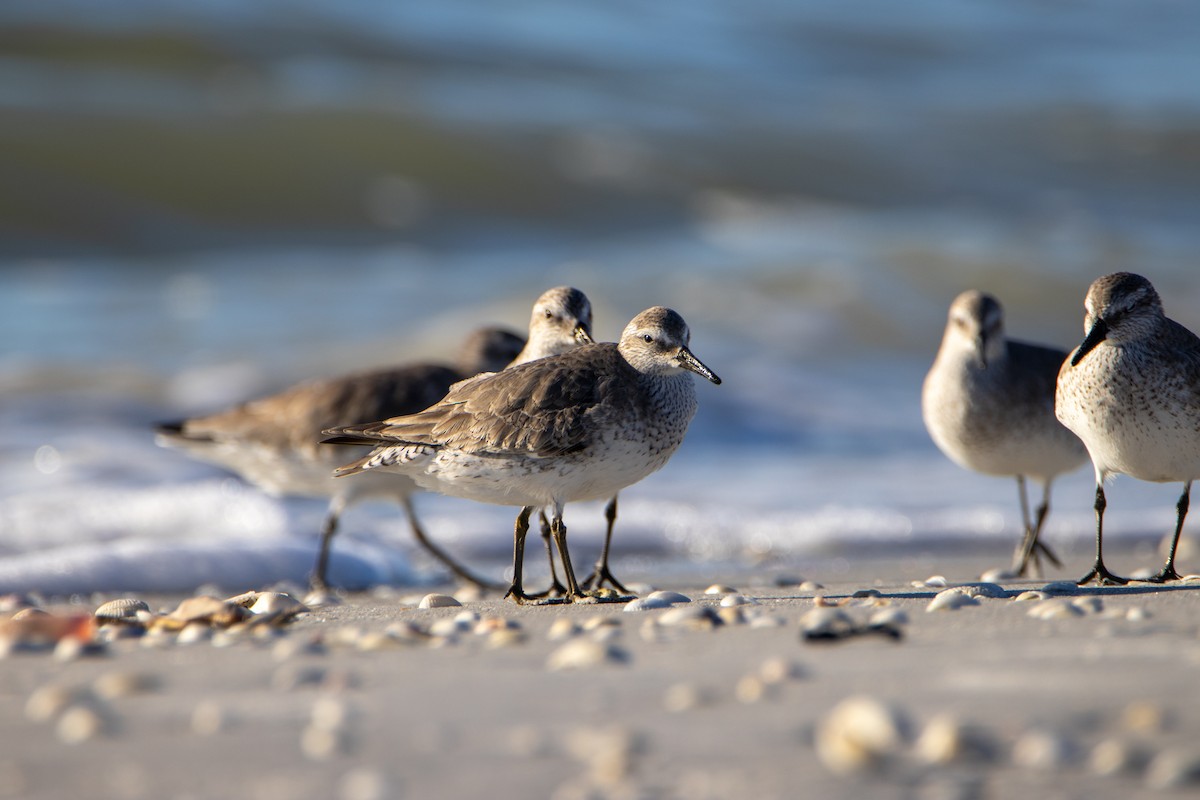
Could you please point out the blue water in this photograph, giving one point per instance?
(818, 182)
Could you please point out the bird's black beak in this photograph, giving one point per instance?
(582, 335)
(1095, 336)
(693, 364)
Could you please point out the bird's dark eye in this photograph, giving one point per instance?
(647, 338)
(549, 314)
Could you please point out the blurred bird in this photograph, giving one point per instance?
(988, 404)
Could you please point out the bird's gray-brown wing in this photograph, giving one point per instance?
(1035, 372)
(547, 407)
(294, 418)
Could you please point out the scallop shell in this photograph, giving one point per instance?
(122, 609)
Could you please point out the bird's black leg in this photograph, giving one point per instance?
(601, 573)
(441, 555)
(328, 528)
(516, 591)
(559, 531)
(556, 588)
(1168, 572)
(1100, 573)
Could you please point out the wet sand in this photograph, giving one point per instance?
(1091, 693)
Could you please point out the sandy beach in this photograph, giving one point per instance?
(1069, 693)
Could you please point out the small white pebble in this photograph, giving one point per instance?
(730, 600)
(1174, 768)
(646, 604)
(950, 600)
(584, 653)
(79, 724)
(670, 597)
(682, 697)
(720, 588)
(208, 719)
(1137, 614)
(810, 586)
(438, 601)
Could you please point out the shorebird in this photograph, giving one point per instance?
(581, 425)
(273, 442)
(1131, 391)
(988, 403)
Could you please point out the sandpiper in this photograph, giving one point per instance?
(988, 403)
(581, 425)
(273, 442)
(1131, 391)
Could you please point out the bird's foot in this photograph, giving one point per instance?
(1167, 573)
(556, 590)
(601, 575)
(1102, 577)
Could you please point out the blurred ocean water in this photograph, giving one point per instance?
(205, 202)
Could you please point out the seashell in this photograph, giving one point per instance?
(364, 783)
(286, 649)
(779, 670)
(1061, 587)
(691, 617)
(990, 591)
(1137, 614)
(810, 586)
(731, 615)
(888, 617)
(682, 697)
(867, 593)
(71, 649)
(290, 677)
(1088, 605)
(584, 653)
(321, 744)
(322, 598)
(205, 609)
(446, 628)
(44, 630)
(859, 734)
(827, 623)
(1145, 718)
(720, 588)
(47, 702)
(401, 631)
(951, 600)
(1055, 608)
(1042, 750)
(767, 621)
(80, 723)
(193, 633)
(1112, 757)
(112, 685)
(468, 593)
(373, 641)
(13, 602)
(671, 598)
(945, 740)
(999, 574)
(27, 613)
(600, 621)
(647, 603)
(750, 689)
(737, 600)
(608, 753)
(1032, 595)
(208, 719)
(1174, 768)
(284, 605)
(934, 582)
(563, 628)
(489, 624)
(123, 609)
(505, 637)
(438, 601)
